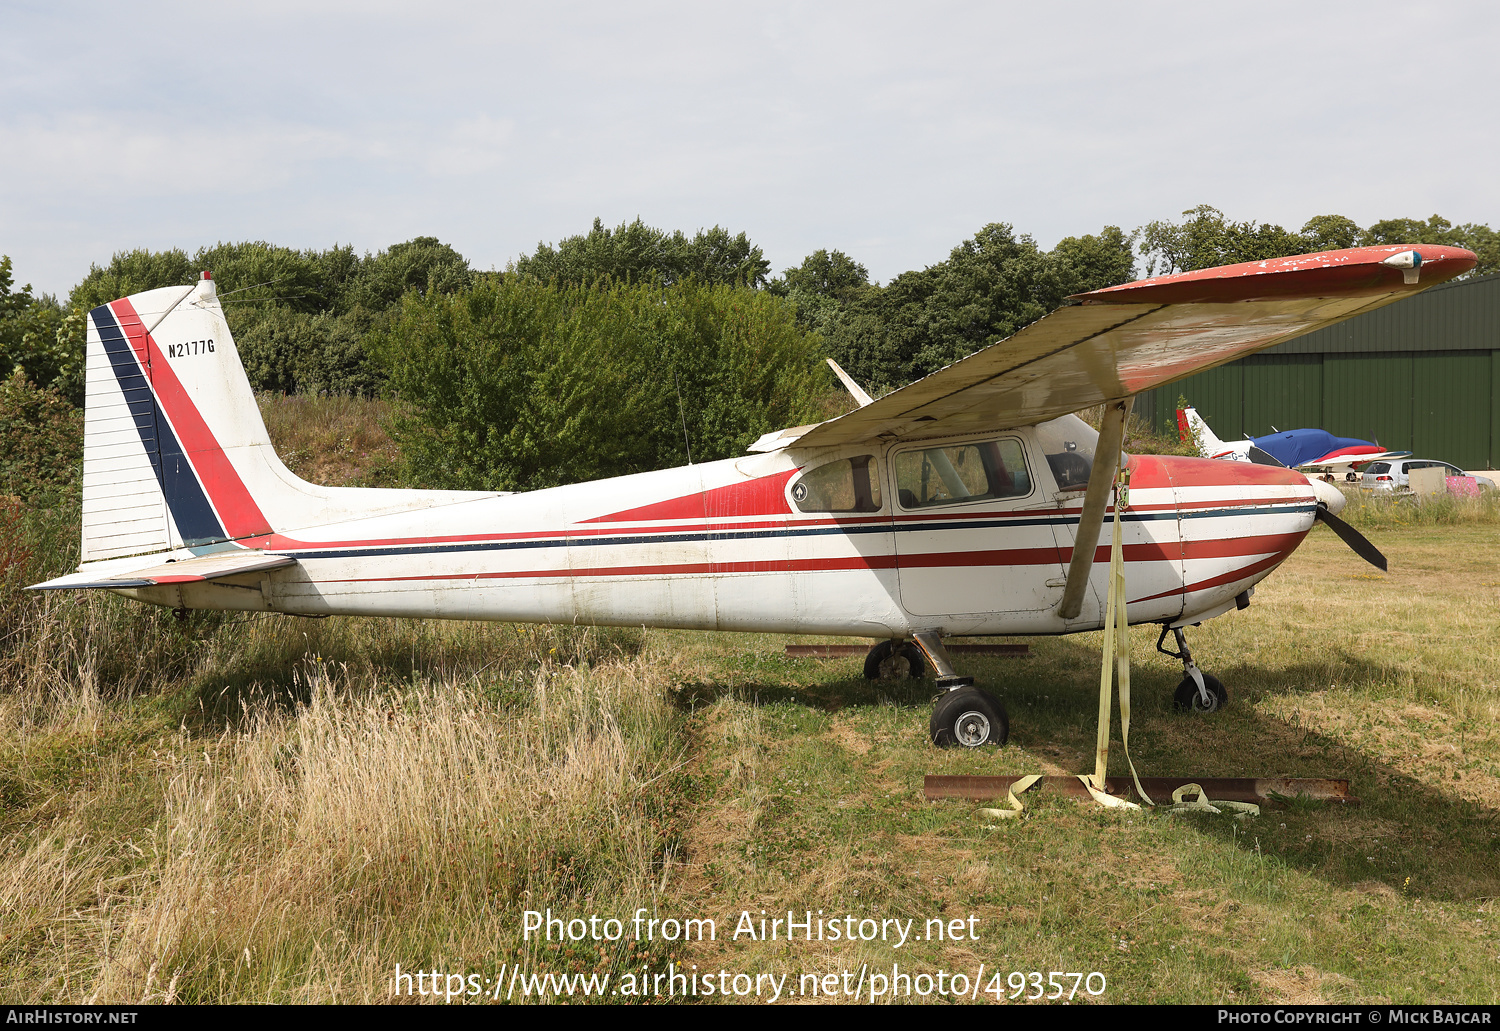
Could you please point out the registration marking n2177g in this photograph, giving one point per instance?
(190, 347)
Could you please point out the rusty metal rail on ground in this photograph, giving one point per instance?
(828, 651)
(1265, 790)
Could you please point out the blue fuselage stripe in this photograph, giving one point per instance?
(710, 536)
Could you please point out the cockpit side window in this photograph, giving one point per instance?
(1069, 444)
(1070, 469)
(965, 472)
(848, 485)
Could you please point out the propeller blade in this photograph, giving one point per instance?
(1352, 537)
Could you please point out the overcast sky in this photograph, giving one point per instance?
(889, 131)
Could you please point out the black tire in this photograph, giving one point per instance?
(969, 718)
(1187, 698)
(888, 658)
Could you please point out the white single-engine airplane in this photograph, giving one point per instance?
(1295, 449)
(968, 503)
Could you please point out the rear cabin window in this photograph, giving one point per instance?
(848, 485)
(965, 472)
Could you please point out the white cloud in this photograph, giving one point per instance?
(888, 130)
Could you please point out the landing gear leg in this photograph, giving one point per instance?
(1199, 691)
(932, 646)
(964, 715)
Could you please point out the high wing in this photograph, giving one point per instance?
(1122, 340)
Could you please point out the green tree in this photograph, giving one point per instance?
(517, 384)
(1436, 230)
(1207, 239)
(716, 258)
(339, 268)
(822, 288)
(14, 306)
(1477, 237)
(421, 264)
(293, 352)
(991, 286)
(637, 253)
(1084, 263)
(1330, 233)
(41, 440)
(132, 272)
(299, 317)
(37, 339)
(825, 274)
(257, 272)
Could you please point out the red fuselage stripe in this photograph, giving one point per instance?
(1280, 545)
(280, 542)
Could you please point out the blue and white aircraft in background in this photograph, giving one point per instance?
(1295, 449)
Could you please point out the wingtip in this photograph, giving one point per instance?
(1359, 270)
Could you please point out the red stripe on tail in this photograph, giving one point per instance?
(236, 509)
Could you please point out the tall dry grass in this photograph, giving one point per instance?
(1388, 512)
(61, 653)
(304, 855)
(265, 808)
(325, 834)
(333, 440)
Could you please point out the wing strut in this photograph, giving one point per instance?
(849, 384)
(1101, 479)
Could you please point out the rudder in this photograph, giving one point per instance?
(156, 475)
(176, 454)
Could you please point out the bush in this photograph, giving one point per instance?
(517, 385)
(41, 441)
(293, 352)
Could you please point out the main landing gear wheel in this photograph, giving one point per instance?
(1189, 699)
(969, 718)
(892, 660)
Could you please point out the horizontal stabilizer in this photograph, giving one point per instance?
(192, 570)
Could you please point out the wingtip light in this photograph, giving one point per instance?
(1410, 262)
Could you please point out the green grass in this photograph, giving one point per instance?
(1335, 672)
(283, 810)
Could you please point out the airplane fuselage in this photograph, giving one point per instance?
(968, 535)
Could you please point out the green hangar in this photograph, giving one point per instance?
(1422, 375)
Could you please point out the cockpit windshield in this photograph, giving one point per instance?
(1068, 442)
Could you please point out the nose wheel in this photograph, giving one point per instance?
(1199, 692)
(1210, 697)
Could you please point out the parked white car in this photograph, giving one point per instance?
(1395, 475)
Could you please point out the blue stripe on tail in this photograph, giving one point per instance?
(195, 517)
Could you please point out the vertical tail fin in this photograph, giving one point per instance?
(175, 451)
(166, 399)
(1191, 427)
